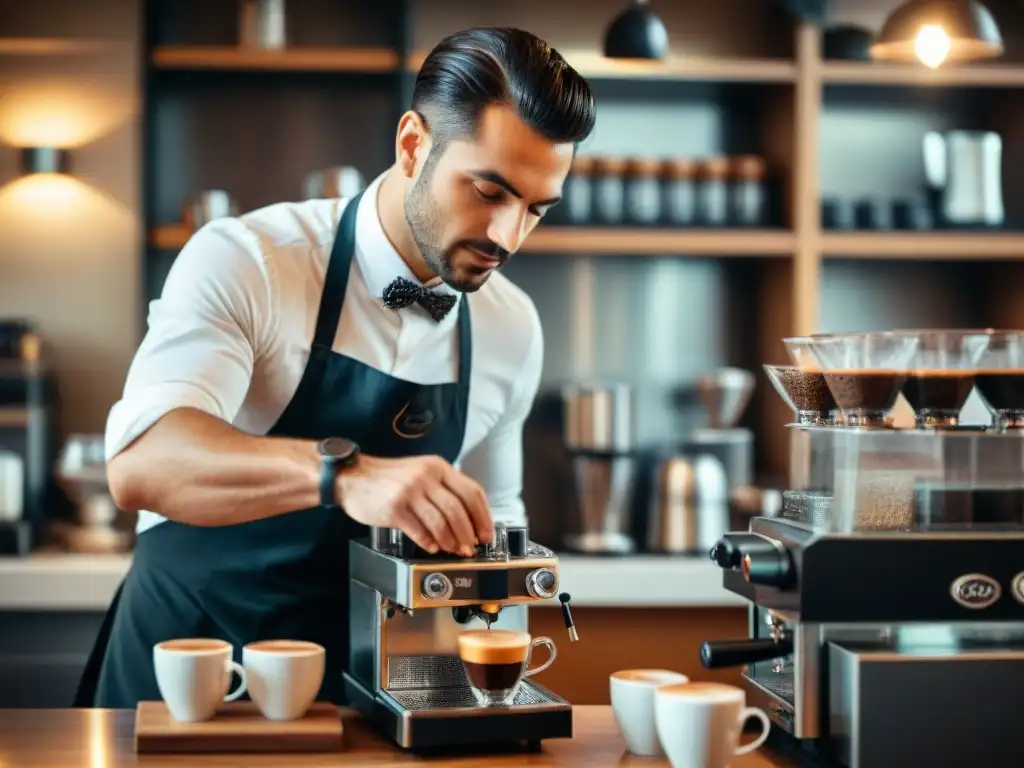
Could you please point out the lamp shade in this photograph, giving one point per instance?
(933, 31)
(636, 33)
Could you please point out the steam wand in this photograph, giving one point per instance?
(567, 617)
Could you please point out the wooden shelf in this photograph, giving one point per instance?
(49, 46)
(924, 246)
(698, 242)
(170, 237)
(309, 59)
(674, 68)
(868, 73)
(605, 241)
(355, 59)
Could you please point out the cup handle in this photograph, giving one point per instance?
(760, 715)
(239, 670)
(545, 641)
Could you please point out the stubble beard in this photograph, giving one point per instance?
(424, 220)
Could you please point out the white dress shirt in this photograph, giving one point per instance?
(231, 333)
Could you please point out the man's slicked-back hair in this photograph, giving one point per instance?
(471, 70)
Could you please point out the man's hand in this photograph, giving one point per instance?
(433, 503)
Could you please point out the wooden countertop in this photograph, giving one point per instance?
(62, 738)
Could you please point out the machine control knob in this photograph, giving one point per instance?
(769, 568)
(436, 586)
(542, 583)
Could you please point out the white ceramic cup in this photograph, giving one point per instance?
(632, 695)
(193, 675)
(699, 724)
(284, 676)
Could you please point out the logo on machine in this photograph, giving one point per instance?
(975, 591)
(1017, 587)
(463, 582)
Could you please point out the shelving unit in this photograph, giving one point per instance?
(775, 277)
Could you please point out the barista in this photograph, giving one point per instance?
(313, 369)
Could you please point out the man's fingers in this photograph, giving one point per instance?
(475, 502)
(412, 527)
(458, 517)
(436, 522)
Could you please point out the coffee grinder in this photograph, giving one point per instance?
(886, 603)
(408, 608)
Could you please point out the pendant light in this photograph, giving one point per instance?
(636, 33)
(935, 31)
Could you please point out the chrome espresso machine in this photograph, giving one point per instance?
(886, 617)
(407, 610)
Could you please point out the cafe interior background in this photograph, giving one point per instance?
(757, 178)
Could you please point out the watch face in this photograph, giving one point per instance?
(339, 447)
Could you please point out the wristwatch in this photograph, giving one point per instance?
(335, 453)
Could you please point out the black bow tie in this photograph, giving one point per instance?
(402, 293)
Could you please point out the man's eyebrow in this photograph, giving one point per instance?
(496, 178)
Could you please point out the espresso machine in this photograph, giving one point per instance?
(886, 602)
(408, 608)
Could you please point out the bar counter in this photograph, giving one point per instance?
(101, 738)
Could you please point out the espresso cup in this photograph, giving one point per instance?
(284, 676)
(699, 724)
(632, 696)
(193, 676)
(497, 660)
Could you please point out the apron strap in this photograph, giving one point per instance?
(336, 281)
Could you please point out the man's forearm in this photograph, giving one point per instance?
(195, 468)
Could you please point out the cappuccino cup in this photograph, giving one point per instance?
(284, 676)
(193, 676)
(632, 696)
(497, 660)
(699, 724)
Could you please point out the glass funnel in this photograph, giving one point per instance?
(941, 374)
(865, 372)
(1000, 378)
(804, 391)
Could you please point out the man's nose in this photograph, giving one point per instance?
(508, 229)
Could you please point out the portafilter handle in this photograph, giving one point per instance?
(736, 653)
(567, 617)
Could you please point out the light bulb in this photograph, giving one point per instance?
(932, 45)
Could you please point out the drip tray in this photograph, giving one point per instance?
(778, 684)
(424, 701)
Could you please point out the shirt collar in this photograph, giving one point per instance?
(378, 260)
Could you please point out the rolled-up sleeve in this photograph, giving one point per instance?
(204, 333)
(497, 461)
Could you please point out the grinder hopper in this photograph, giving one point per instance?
(724, 395)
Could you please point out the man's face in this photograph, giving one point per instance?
(471, 207)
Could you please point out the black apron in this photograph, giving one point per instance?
(284, 576)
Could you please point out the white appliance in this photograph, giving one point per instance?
(965, 169)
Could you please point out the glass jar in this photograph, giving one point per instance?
(748, 191)
(577, 204)
(643, 191)
(713, 192)
(609, 190)
(679, 192)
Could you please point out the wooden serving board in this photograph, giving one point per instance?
(239, 727)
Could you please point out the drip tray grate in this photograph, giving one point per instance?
(779, 684)
(433, 699)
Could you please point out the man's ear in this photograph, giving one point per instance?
(412, 144)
